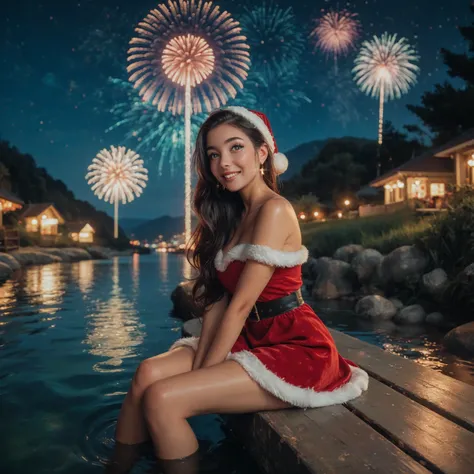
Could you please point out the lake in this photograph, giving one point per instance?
(72, 335)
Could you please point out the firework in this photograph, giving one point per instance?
(188, 57)
(339, 93)
(336, 32)
(161, 134)
(117, 175)
(385, 68)
(188, 42)
(273, 36)
(278, 92)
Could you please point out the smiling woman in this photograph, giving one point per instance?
(262, 347)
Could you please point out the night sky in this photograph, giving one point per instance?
(57, 56)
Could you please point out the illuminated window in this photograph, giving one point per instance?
(437, 189)
(418, 189)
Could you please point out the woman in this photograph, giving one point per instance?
(261, 347)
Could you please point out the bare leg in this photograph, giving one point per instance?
(131, 426)
(131, 432)
(223, 388)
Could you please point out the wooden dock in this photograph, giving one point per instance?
(411, 420)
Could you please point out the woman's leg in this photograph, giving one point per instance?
(222, 388)
(131, 431)
(131, 427)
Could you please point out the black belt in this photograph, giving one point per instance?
(269, 309)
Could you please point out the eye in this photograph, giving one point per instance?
(239, 147)
(210, 156)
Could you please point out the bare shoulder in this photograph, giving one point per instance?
(277, 214)
(277, 207)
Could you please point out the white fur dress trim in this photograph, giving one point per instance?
(262, 254)
(296, 396)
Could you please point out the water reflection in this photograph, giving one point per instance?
(7, 298)
(135, 271)
(45, 287)
(85, 275)
(113, 327)
(163, 266)
(187, 269)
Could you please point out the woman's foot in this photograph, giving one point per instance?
(124, 457)
(186, 465)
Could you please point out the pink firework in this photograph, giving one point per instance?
(336, 32)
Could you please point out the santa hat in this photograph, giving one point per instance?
(260, 121)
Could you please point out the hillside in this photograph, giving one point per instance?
(165, 225)
(20, 175)
(300, 155)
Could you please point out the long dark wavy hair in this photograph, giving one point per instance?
(218, 210)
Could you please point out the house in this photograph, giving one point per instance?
(461, 151)
(80, 232)
(43, 218)
(423, 177)
(8, 202)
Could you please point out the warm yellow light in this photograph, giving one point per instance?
(400, 184)
(34, 221)
(316, 213)
(471, 161)
(339, 214)
(46, 222)
(347, 202)
(84, 235)
(387, 186)
(44, 216)
(302, 216)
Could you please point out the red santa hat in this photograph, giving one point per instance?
(260, 121)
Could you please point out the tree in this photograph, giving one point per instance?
(447, 111)
(4, 177)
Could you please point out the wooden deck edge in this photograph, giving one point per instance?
(450, 415)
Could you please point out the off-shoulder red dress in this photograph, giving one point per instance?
(292, 355)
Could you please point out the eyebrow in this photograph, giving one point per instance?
(227, 141)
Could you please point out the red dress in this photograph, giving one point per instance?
(292, 355)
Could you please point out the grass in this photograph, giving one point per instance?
(384, 232)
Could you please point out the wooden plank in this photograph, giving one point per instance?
(447, 396)
(441, 444)
(329, 439)
(324, 440)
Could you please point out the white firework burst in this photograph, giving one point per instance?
(386, 64)
(385, 68)
(117, 175)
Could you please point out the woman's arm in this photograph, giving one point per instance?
(271, 230)
(210, 321)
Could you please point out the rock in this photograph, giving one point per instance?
(437, 319)
(375, 307)
(435, 281)
(404, 265)
(71, 254)
(413, 314)
(10, 261)
(460, 340)
(34, 256)
(5, 271)
(397, 303)
(365, 264)
(308, 269)
(347, 252)
(469, 271)
(334, 279)
(184, 307)
(99, 253)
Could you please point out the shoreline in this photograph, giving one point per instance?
(30, 256)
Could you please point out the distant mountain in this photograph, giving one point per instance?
(166, 226)
(130, 223)
(300, 155)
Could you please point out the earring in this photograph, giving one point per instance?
(262, 170)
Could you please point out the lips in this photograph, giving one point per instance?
(229, 176)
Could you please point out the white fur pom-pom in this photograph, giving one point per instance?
(280, 162)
